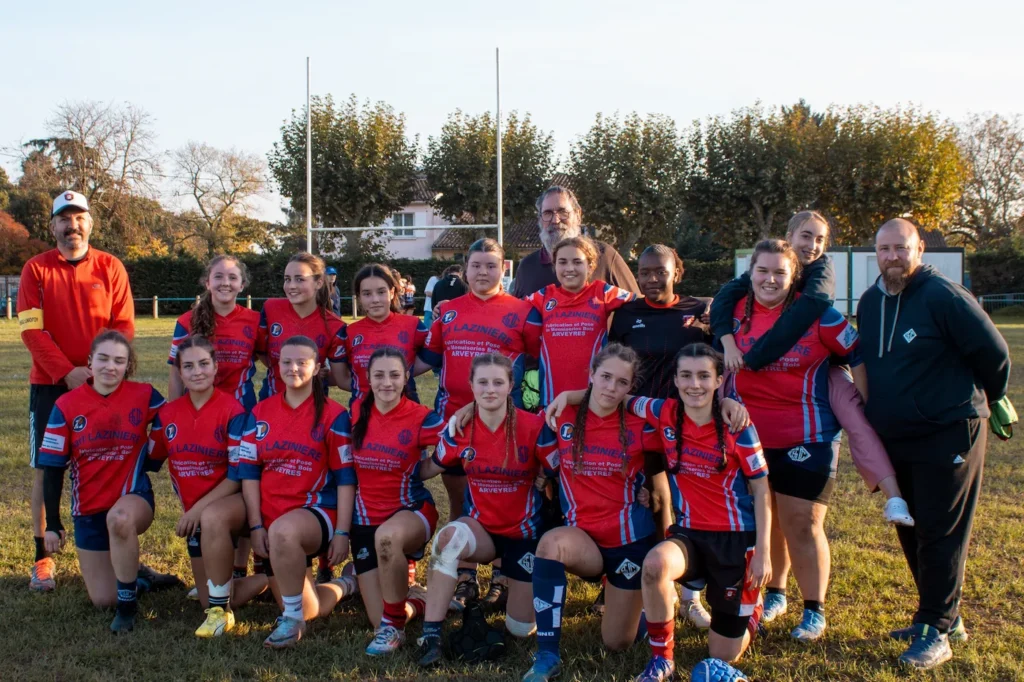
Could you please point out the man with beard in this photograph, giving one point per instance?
(65, 297)
(935, 362)
(559, 216)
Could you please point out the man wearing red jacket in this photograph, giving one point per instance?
(66, 296)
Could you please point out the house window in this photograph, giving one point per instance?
(403, 223)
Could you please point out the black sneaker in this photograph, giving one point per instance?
(123, 622)
(598, 606)
(430, 651)
(151, 581)
(465, 591)
(496, 597)
(324, 574)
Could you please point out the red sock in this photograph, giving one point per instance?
(412, 572)
(419, 606)
(755, 620)
(394, 614)
(662, 637)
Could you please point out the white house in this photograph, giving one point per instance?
(416, 226)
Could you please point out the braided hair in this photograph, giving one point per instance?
(195, 340)
(700, 350)
(777, 246)
(319, 392)
(362, 424)
(203, 315)
(497, 360)
(627, 355)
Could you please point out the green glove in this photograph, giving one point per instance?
(1003, 418)
(531, 390)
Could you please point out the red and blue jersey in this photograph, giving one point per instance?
(499, 483)
(705, 496)
(279, 322)
(234, 340)
(601, 499)
(103, 439)
(387, 465)
(468, 326)
(574, 328)
(360, 339)
(297, 464)
(788, 399)
(200, 446)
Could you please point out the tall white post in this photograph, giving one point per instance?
(497, 86)
(309, 166)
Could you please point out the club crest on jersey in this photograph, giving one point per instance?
(469, 454)
(317, 433)
(909, 335)
(135, 416)
(511, 320)
(523, 454)
(321, 340)
(565, 432)
(403, 337)
(448, 316)
(170, 431)
(219, 435)
(670, 433)
(357, 340)
(262, 429)
(799, 454)
(276, 329)
(627, 569)
(405, 436)
(593, 304)
(527, 562)
(78, 423)
(630, 438)
(248, 333)
(550, 305)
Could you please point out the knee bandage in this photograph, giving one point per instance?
(518, 628)
(446, 560)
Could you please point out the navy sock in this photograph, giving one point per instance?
(432, 628)
(641, 628)
(471, 572)
(126, 597)
(776, 590)
(40, 549)
(814, 605)
(549, 585)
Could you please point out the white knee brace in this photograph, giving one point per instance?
(519, 629)
(447, 560)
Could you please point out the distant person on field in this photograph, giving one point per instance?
(428, 293)
(935, 362)
(332, 283)
(451, 285)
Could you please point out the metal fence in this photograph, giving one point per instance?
(996, 302)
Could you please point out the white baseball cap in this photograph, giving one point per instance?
(69, 198)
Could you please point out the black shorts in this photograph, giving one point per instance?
(41, 399)
(326, 533)
(722, 559)
(807, 472)
(517, 555)
(194, 544)
(623, 565)
(363, 548)
(91, 530)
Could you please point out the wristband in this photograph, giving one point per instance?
(341, 533)
(258, 526)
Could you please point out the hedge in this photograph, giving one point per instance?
(996, 272)
(178, 277)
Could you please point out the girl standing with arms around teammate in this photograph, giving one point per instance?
(198, 434)
(503, 451)
(99, 430)
(298, 485)
(230, 327)
(574, 316)
(485, 320)
(602, 452)
(722, 508)
(395, 514)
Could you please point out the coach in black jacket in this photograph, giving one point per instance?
(934, 362)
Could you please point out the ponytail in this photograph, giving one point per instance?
(319, 270)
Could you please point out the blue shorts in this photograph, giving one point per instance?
(623, 565)
(517, 555)
(91, 530)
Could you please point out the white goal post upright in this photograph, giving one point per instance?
(309, 166)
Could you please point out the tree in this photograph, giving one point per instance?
(16, 246)
(5, 190)
(222, 184)
(992, 205)
(363, 169)
(630, 174)
(461, 164)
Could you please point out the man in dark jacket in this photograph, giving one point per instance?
(934, 362)
(559, 217)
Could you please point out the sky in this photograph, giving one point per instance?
(229, 74)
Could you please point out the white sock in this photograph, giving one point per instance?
(219, 594)
(293, 606)
(348, 584)
(686, 594)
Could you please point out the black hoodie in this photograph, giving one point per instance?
(933, 356)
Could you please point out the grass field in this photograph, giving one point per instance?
(61, 637)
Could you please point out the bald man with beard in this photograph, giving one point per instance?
(935, 362)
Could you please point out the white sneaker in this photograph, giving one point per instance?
(897, 512)
(695, 612)
(193, 594)
(386, 640)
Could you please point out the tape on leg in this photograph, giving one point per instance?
(447, 560)
(518, 628)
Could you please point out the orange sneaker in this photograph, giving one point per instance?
(42, 575)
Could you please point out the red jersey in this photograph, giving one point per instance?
(468, 326)
(601, 499)
(387, 466)
(788, 399)
(360, 339)
(499, 491)
(575, 327)
(201, 446)
(103, 439)
(279, 322)
(234, 340)
(705, 496)
(297, 464)
(62, 306)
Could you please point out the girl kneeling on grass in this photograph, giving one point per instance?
(100, 431)
(198, 434)
(503, 451)
(296, 472)
(395, 514)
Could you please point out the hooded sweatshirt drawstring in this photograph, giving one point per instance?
(881, 335)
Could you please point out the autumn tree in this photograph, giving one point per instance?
(991, 209)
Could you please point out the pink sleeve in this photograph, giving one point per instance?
(869, 455)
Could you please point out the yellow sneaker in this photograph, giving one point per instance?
(218, 621)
